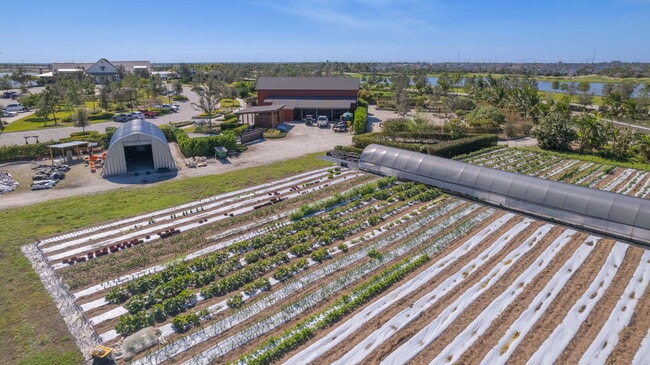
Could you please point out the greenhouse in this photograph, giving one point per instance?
(604, 212)
(138, 147)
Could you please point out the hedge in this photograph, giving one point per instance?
(447, 149)
(360, 120)
(201, 146)
(40, 150)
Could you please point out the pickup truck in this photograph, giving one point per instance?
(148, 114)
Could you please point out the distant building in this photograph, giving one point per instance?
(101, 70)
(301, 96)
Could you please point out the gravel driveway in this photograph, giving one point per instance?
(301, 140)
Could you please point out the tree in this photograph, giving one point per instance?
(420, 81)
(584, 87)
(121, 72)
(554, 131)
(81, 119)
(524, 96)
(486, 118)
(555, 85)
(5, 82)
(155, 86)
(456, 128)
(178, 86)
(22, 78)
(620, 141)
(591, 132)
(400, 83)
(50, 98)
(105, 95)
(184, 73)
(643, 141)
(209, 94)
(614, 102)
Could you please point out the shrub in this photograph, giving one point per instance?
(360, 120)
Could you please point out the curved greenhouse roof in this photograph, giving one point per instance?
(601, 211)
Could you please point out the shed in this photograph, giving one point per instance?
(138, 147)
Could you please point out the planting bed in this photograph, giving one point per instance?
(342, 267)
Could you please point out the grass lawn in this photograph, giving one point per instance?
(31, 328)
(33, 122)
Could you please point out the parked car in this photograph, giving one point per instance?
(137, 115)
(148, 114)
(6, 113)
(122, 117)
(16, 108)
(10, 94)
(340, 127)
(323, 121)
(309, 119)
(172, 107)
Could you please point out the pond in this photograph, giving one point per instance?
(596, 87)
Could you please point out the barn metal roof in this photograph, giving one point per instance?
(307, 83)
(314, 102)
(260, 109)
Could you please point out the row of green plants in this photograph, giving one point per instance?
(447, 149)
(223, 260)
(328, 289)
(276, 347)
(154, 290)
(177, 278)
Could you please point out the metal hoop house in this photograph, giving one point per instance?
(608, 213)
(142, 139)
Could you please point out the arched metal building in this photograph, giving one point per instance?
(138, 147)
(607, 213)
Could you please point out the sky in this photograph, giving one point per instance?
(171, 31)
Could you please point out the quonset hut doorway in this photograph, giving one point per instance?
(139, 158)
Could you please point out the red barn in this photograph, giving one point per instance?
(301, 96)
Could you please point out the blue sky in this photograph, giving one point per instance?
(320, 30)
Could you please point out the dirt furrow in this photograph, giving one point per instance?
(594, 322)
(450, 297)
(476, 307)
(499, 325)
(573, 289)
(371, 325)
(629, 339)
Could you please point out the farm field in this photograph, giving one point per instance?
(338, 266)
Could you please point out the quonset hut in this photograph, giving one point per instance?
(138, 147)
(615, 215)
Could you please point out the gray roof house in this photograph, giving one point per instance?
(101, 70)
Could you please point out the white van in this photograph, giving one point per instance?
(16, 108)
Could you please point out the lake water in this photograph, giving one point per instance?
(596, 87)
(2, 74)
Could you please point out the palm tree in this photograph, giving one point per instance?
(643, 141)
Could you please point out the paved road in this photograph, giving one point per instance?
(186, 112)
